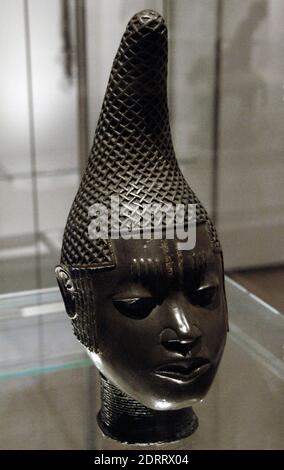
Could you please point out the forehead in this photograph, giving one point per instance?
(158, 262)
(136, 252)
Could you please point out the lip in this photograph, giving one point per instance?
(184, 370)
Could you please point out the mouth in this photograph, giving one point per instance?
(184, 370)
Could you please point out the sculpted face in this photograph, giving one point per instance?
(160, 319)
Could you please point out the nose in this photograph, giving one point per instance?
(181, 335)
(181, 346)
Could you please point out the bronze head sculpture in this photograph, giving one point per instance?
(153, 316)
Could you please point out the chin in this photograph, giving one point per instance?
(177, 395)
(163, 404)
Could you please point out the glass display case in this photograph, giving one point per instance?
(225, 90)
(50, 388)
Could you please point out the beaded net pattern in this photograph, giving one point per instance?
(126, 420)
(132, 154)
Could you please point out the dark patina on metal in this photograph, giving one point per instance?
(153, 316)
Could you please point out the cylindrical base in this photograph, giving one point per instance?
(124, 419)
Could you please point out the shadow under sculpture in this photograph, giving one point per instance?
(153, 316)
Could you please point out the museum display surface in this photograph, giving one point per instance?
(152, 315)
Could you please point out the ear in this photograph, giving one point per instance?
(67, 290)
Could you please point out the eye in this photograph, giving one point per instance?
(206, 296)
(137, 308)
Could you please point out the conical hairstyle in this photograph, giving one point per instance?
(132, 154)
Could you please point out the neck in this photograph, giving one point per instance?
(124, 419)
